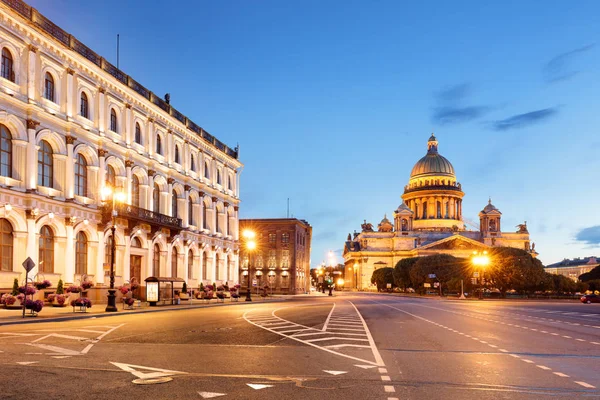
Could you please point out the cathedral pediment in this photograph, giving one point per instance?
(455, 242)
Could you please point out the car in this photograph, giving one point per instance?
(590, 298)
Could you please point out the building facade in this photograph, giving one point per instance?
(281, 259)
(429, 221)
(573, 268)
(72, 125)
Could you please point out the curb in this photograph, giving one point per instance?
(129, 312)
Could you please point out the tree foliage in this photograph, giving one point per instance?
(592, 275)
(382, 276)
(516, 269)
(402, 272)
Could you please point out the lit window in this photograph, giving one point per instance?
(5, 151)
(113, 120)
(7, 65)
(49, 87)
(84, 106)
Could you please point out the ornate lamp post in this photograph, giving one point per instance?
(481, 260)
(250, 246)
(119, 196)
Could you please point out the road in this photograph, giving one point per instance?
(350, 346)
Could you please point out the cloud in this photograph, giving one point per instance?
(589, 235)
(524, 120)
(559, 68)
(450, 109)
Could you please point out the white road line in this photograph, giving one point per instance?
(527, 361)
(338, 346)
(383, 370)
(389, 389)
(561, 374)
(328, 318)
(337, 338)
(585, 385)
(376, 354)
(385, 378)
(543, 367)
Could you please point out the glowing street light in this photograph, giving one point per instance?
(480, 260)
(250, 243)
(120, 196)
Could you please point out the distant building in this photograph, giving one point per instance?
(573, 268)
(281, 259)
(429, 221)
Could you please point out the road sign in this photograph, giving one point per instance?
(389, 285)
(28, 264)
(431, 276)
(476, 274)
(254, 282)
(436, 284)
(427, 284)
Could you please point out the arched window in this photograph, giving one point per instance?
(218, 226)
(46, 253)
(174, 204)
(404, 225)
(424, 210)
(229, 186)
(206, 171)
(81, 254)
(219, 176)
(5, 151)
(45, 165)
(192, 163)
(227, 230)
(6, 245)
(190, 211)
(156, 198)
(113, 120)
(138, 133)
(49, 87)
(158, 145)
(177, 155)
(156, 261)
(136, 242)
(7, 65)
(135, 191)
(204, 216)
(108, 251)
(174, 257)
(111, 177)
(84, 109)
(190, 264)
(204, 266)
(81, 176)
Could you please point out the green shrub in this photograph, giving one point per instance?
(59, 287)
(15, 288)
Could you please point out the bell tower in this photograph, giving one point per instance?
(489, 223)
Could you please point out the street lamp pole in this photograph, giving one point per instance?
(250, 245)
(111, 305)
(481, 260)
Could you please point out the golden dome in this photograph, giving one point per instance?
(433, 162)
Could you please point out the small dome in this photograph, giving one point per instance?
(403, 207)
(489, 207)
(385, 225)
(433, 162)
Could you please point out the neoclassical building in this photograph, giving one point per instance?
(72, 125)
(429, 221)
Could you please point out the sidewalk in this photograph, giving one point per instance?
(53, 314)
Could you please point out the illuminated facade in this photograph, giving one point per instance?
(573, 268)
(281, 259)
(71, 125)
(429, 221)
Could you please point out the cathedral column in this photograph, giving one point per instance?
(69, 168)
(31, 80)
(459, 209)
(452, 215)
(431, 212)
(31, 164)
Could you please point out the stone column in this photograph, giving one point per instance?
(102, 170)
(184, 214)
(32, 242)
(31, 164)
(170, 150)
(127, 259)
(459, 209)
(213, 168)
(150, 199)
(200, 221)
(215, 214)
(150, 137)
(170, 198)
(69, 253)
(69, 168)
(101, 110)
(185, 262)
(100, 259)
(128, 165)
(31, 75)
(70, 96)
(127, 125)
(226, 220)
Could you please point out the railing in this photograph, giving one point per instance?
(432, 187)
(129, 211)
(71, 42)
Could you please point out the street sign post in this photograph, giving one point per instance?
(28, 264)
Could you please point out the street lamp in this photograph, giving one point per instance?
(119, 196)
(250, 246)
(482, 260)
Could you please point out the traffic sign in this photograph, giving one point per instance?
(427, 284)
(476, 274)
(254, 282)
(431, 276)
(28, 264)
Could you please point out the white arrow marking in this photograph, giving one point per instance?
(365, 366)
(257, 386)
(27, 362)
(210, 395)
(143, 375)
(336, 372)
(55, 349)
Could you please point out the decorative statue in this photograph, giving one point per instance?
(533, 246)
(349, 238)
(367, 226)
(522, 228)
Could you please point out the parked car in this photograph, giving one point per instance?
(590, 298)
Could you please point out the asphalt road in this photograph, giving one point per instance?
(357, 346)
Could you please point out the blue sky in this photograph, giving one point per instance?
(332, 102)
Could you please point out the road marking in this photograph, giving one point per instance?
(55, 349)
(365, 366)
(561, 374)
(543, 367)
(60, 356)
(210, 395)
(389, 389)
(503, 351)
(158, 372)
(580, 340)
(27, 362)
(382, 370)
(336, 338)
(385, 378)
(335, 372)
(586, 385)
(257, 386)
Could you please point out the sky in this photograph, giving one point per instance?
(332, 102)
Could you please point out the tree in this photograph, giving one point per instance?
(382, 276)
(402, 272)
(512, 268)
(59, 287)
(562, 284)
(15, 288)
(591, 275)
(445, 267)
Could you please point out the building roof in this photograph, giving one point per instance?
(433, 162)
(592, 260)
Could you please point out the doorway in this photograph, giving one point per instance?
(135, 272)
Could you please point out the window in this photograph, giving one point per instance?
(7, 65)
(204, 216)
(204, 265)
(218, 226)
(174, 257)
(229, 186)
(46, 253)
(111, 177)
(219, 176)
(158, 145)
(113, 120)
(190, 264)
(135, 191)
(136, 242)
(156, 198)
(45, 164)
(49, 87)
(138, 134)
(227, 231)
(5, 151)
(285, 238)
(6, 245)
(174, 204)
(84, 106)
(81, 254)
(192, 163)
(156, 261)
(206, 171)
(190, 211)
(177, 155)
(81, 176)
(272, 238)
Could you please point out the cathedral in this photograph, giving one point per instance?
(429, 221)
